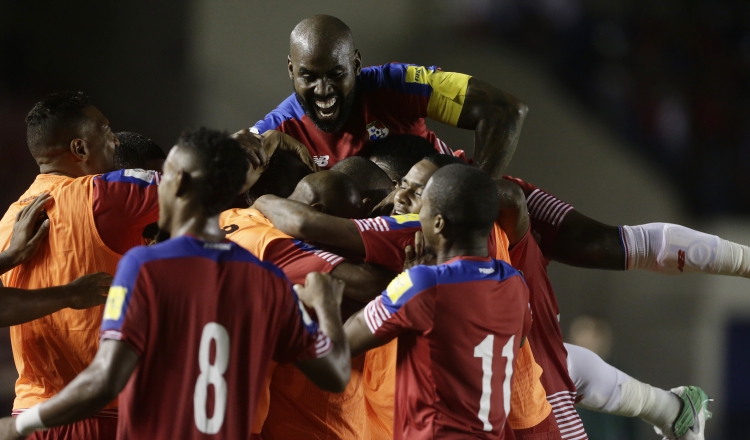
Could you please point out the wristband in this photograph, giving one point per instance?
(29, 421)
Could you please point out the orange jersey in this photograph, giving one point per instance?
(50, 351)
(295, 407)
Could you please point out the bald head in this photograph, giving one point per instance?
(372, 182)
(323, 65)
(330, 192)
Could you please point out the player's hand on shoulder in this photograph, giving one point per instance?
(320, 289)
(89, 290)
(417, 255)
(30, 228)
(274, 139)
(8, 429)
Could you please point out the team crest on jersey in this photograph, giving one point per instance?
(377, 130)
(322, 161)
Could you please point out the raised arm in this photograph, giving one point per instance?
(496, 118)
(306, 223)
(86, 395)
(585, 242)
(323, 294)
(27, 234)
(18, 305)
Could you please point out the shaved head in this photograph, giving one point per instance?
(323, 65)
(371, 181)
(330, 192)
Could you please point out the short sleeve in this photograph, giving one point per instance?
(300, 338)
(297, 258)
(546, 212)
(386, 237)
(406, 305)
(126, 313)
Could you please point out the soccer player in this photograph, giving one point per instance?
(160, 328)
(298, 408)
(382, 240)
(96, 215)
(138, 151)
(338, 106)
(398, 153)
(459, 324)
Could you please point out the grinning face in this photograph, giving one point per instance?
(408, 198)
(324, 75)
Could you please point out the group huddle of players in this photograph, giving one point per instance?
(334, 272)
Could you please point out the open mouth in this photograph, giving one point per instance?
(397, 211)
(326, 109)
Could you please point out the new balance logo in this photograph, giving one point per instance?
(322, 161)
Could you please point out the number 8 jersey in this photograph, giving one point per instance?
(459, 327)
(205, 319)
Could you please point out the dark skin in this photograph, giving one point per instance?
(585, 242)
(447, 242)
(302, 221)
(181, 213)
(324, 63)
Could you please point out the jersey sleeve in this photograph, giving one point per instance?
(125, 200)
(406, 305)
(546, 212)
(126, 313)
(300, 337)
(297, 258)
(288, 109)
(428, 91)
(386, 237)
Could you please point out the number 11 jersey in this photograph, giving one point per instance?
(459, 327)
(205, 319)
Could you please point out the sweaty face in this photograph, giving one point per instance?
(408, 198)
(101, 141)
(324, 78)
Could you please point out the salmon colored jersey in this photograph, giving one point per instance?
(50, 351)
(295, 408)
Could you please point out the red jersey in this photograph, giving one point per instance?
(546, 337)
(546, 213)
(456, 347)
(391, 99)
(226, 302)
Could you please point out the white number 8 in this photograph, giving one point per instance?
(212, 374)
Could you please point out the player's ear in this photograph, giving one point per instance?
(357, 62)
(290, 67)
(185, 181)
(319, 207)
(395, 184)
(367, 205)
(439, 224)
(79, 149)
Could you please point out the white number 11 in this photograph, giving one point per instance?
(485, 351)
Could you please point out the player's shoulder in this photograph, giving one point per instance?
(408, 284)
(389, 223)
(403, 77)
(132, 176)
(462, 270)
(289, 109)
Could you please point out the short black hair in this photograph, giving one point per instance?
(223, 163)
(135, 150)
(277, 178)
(53, 119)
(371, 181)
(441, 160)
(466, 197)
(400, 152)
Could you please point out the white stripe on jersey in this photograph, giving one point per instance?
(546, 207)
(376, 314)
(376, 224)
(323, 345)
(112, 334)
(563, 407)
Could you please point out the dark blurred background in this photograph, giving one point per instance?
(638, 113)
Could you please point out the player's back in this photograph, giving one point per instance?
(205, 319)
(457, 357)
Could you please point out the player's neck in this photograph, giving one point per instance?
(448, 251)
(198, 225)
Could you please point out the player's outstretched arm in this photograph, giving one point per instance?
(585, 242)
(27, 235)
(306, 223)
(496, 118)
(87, 394)
(323, 294)
(18, 305)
